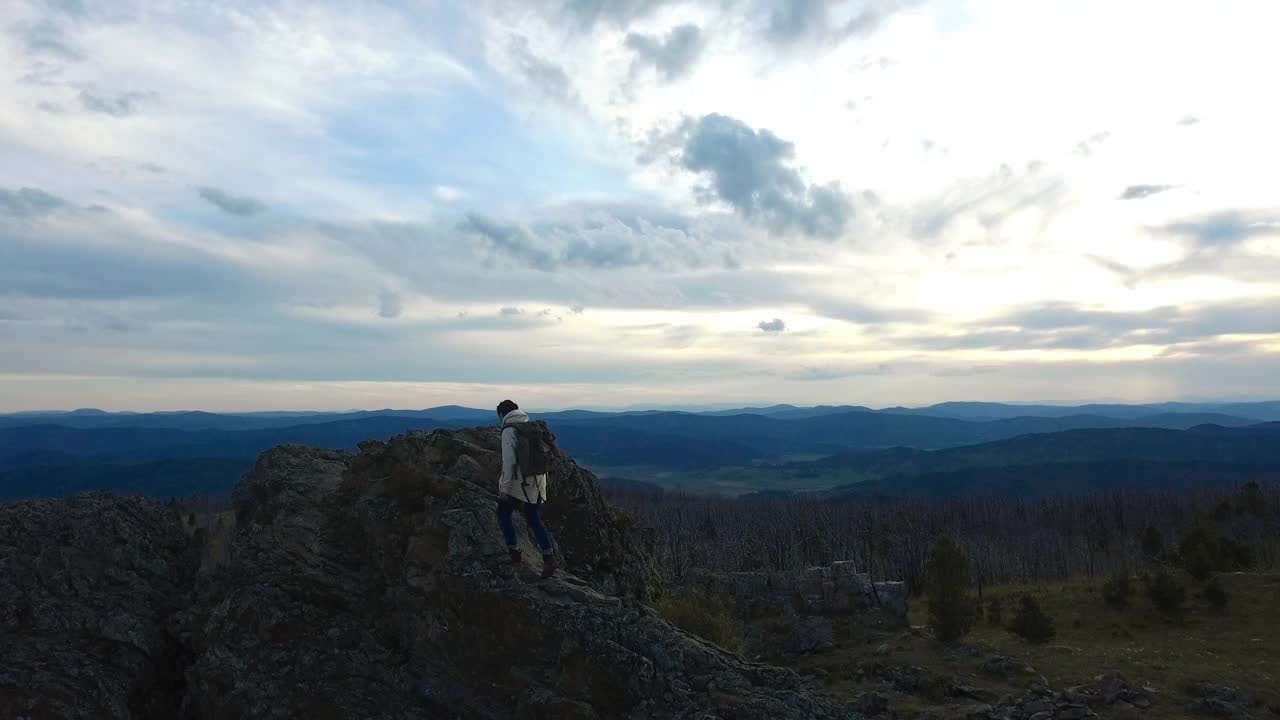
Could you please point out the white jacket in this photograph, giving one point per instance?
(527, 489)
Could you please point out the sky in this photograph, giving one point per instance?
(611, 203)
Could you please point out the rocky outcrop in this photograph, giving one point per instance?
(90, 590)
(808, 611)
(1224, 702)
(363, 586)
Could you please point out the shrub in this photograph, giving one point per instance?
(994, 609)
(947, 586)
(1030, 622)
(1165, 592)
(1199, 564)
(1116, 591)
(1152, 542)
(705, 615)
(1214, 593)
(1251, 500)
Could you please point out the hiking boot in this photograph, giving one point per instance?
(548, 566)
(516, 557)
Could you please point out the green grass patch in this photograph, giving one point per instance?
(708, 616)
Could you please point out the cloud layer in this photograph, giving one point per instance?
(265, 204)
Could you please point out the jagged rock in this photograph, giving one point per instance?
(964, 650)
(1224, 702)
(377, 586)
(357, 586)
(811, 634)
(91, 590)
(1004, 666)
(870, 703)
(787, 613)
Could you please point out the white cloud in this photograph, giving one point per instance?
(491, 170)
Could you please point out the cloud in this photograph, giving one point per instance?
(47, 38)
(447, 193)
(819, 373)
(1066, 326)
(751, 170)
(606, 237)
(1188, 120)
(511, 239)
(1227, 227)
(620, 12)
(28, 202)
(548, 78)
(1089, 145)
(673, 55)
(775, 325)
(121, 105)
(389, 305)
(577, 309)
(240, 205)
(991, 201)
(794, 21)
(1138, 192)
(510, 311)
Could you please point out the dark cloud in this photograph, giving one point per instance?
(121, 105)
(511, 239)
(620, 12)
(241, 205)
(752, 171)
(672, 55)
(602, 237)
(775, 325)
(389, 305)
(28, 202)
(550, 79)
(794, 21)
(1137, 192)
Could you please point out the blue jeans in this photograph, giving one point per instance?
(532, 518)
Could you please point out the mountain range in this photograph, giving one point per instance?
(856, 449)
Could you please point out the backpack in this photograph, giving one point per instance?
(532, 454)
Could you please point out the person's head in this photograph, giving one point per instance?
(505, 407)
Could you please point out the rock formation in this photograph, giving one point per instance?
(357, 586)
(808, 611)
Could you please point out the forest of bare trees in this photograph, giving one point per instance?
(1008, 540)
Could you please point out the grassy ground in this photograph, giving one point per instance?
(1238, 646)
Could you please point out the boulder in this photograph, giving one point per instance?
(92, 590)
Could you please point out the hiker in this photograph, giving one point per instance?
(517, 489)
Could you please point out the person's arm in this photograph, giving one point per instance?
(508, 461)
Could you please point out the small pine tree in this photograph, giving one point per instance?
(1215, 594)
(1117, 589)
(994, 610)
(1152, 542)
(1165, 592)
(1031, 623)
(191, 519)
(947, 586)
(1251, 500)
(1199, 564)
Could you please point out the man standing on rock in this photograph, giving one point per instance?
(519, 488)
